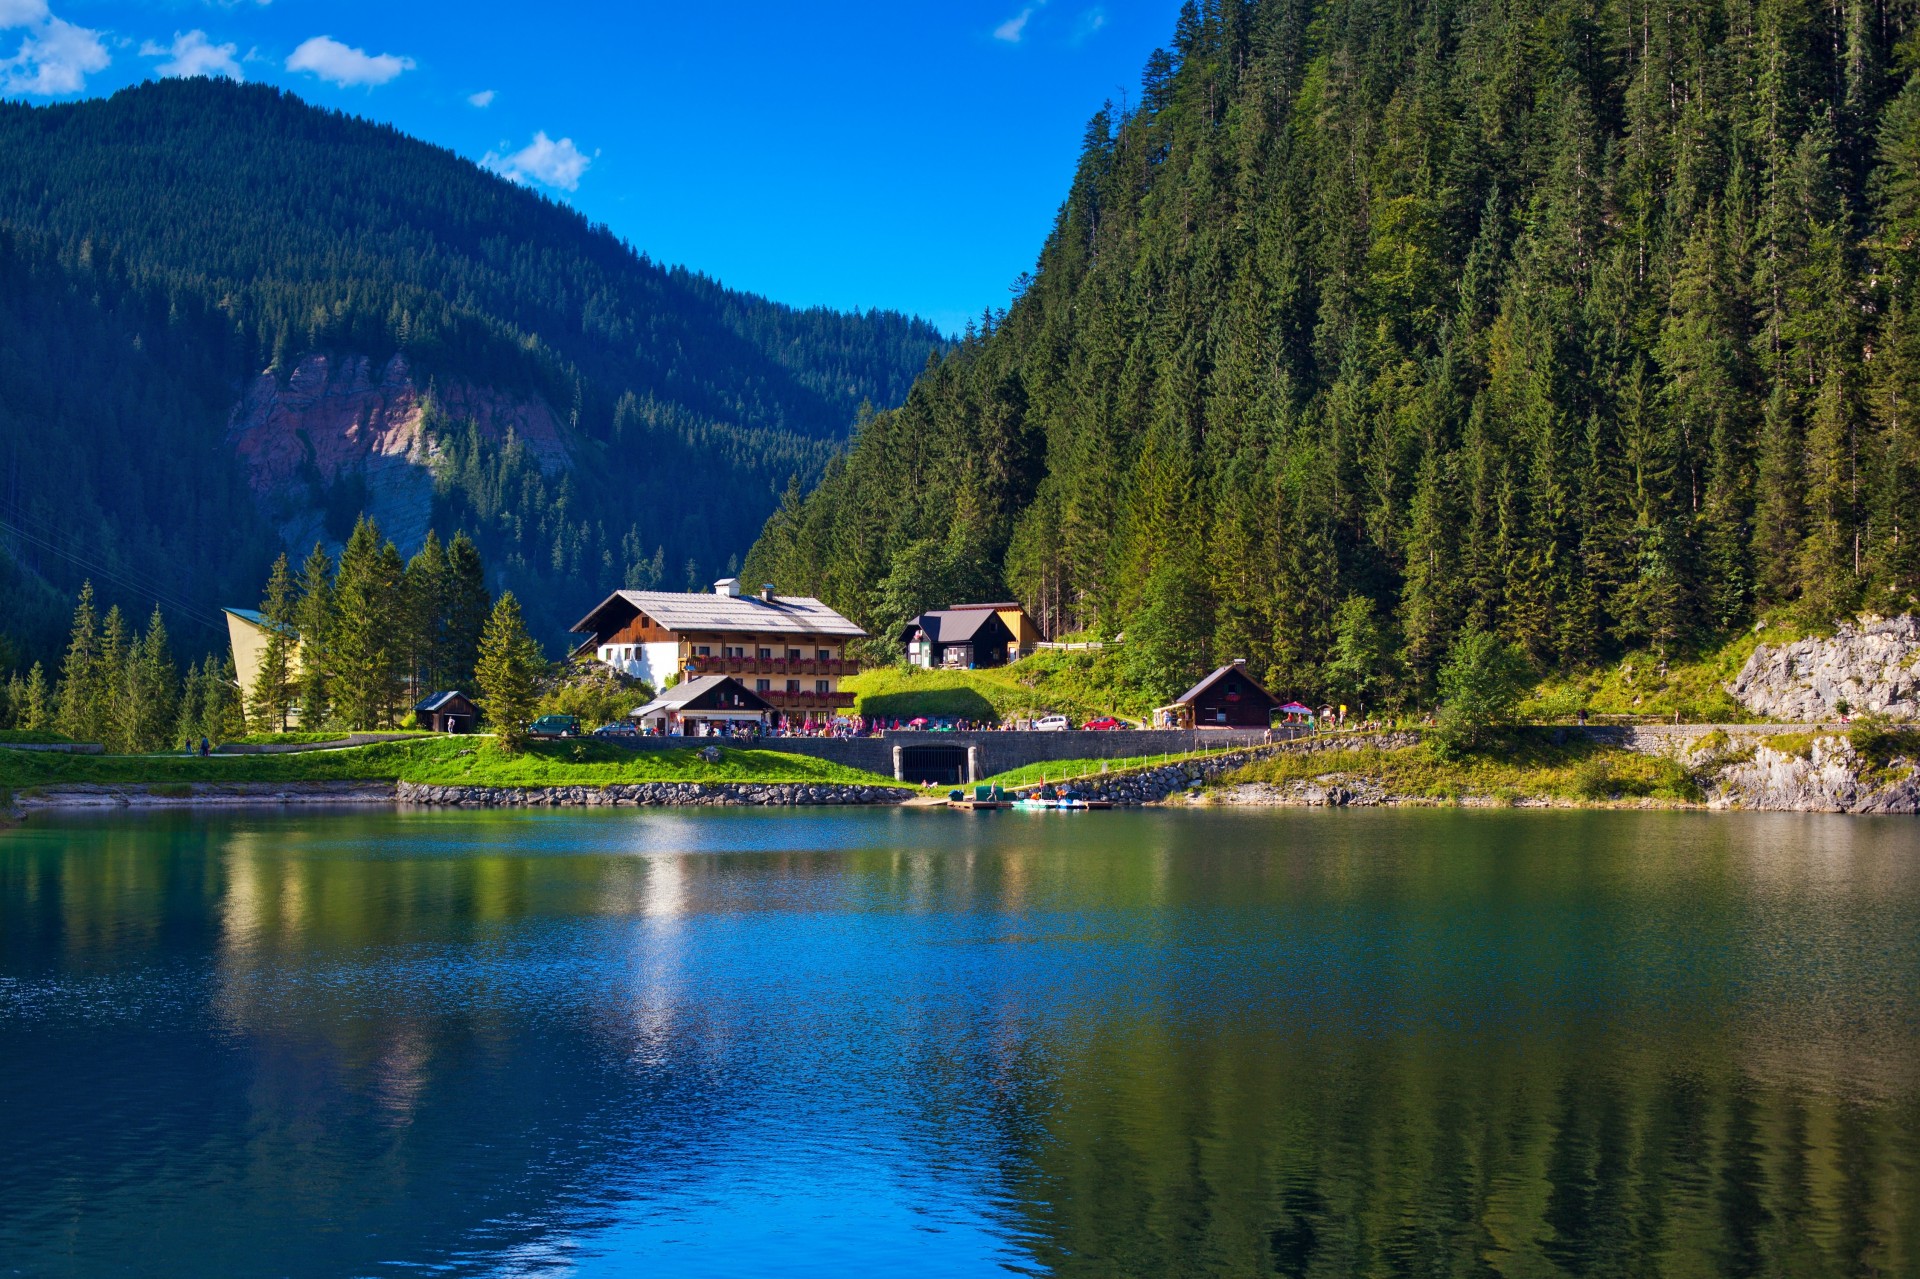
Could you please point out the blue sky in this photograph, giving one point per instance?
(849, 154)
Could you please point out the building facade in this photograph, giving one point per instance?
(789, 650)
(970, 635)
(1228, 698)
(249, 632)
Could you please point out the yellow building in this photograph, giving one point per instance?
(248, 632)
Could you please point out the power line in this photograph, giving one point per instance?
(124, 579)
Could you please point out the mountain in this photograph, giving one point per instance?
(230, 321)
(1591, 324)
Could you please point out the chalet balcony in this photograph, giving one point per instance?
(770, 666)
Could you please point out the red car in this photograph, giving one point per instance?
(1107, 722)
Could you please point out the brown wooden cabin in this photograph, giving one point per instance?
(448, 712)
(1228, 698)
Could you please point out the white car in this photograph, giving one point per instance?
(1051, 724)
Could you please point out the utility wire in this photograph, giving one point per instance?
(124, 579)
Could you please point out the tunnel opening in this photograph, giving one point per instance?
(940, 765)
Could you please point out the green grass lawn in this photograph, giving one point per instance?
(1691, 686)
(1081, 685)
(1527, 764)
(448, 760)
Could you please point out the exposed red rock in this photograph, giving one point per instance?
(344, 418)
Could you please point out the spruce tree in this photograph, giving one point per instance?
(468, 604)
(272, 694)
(363, 649)
(507, 672)
(314, 619)
(80, 673)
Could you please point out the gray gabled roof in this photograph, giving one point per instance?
(688, 691)
(437, 700)
(784, 615)
(953, 625)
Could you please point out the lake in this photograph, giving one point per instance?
(880, 1042)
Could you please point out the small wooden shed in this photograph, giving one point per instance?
(448, 712)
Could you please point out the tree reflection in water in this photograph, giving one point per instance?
(1155, 1044)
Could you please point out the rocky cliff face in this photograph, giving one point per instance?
(342, 424)
(1868, 664)
(1829, 778)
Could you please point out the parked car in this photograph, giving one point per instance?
(616, 730)
(1106, 723)
(1052, 724)
(555, 726)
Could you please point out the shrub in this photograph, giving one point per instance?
(1480, 684)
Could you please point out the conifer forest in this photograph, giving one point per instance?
(1589, 324)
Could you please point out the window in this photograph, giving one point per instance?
(629, 653)
(704, 650)
(822, 686)
(765, 654)
(793, 655)
(762, 685)
(826, 655)
(793, 686)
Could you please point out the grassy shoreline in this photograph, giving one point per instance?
(446, 761)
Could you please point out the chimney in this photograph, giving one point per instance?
(728, 586)
(1239, 661)
(766, 592)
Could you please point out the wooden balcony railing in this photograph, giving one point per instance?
(770, 666)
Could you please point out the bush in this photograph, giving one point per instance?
(1593, 778)
(1480, 684)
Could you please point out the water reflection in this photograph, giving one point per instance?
(1170, 1044)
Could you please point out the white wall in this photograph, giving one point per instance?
(650, 662)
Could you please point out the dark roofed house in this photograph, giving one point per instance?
(448, 712)
(706, 704)
(1228, 698)
(964, 638)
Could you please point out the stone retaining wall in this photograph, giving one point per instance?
(57, 748)
(1153, 784)
(651, 794)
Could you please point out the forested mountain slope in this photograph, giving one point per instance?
(229, 319)
(1591, 323)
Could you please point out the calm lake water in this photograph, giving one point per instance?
(846, 1043)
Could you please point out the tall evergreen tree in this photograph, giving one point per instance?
(271, 697)
(507, 672)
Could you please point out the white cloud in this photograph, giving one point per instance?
(484, 98)
(192, 54)
(556, 164)
(1090, 21)
(22, 13)
(1013, 27)
(344, 65)
(54, 57)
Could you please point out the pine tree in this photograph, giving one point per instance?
(38, 712)
(468, 604)
(363, 648)
(425, 600)
(314, 619)
(507, 672)
(80, 672)
(149, 702)
(272, 694)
